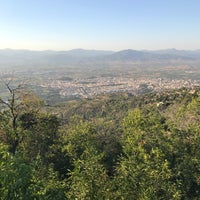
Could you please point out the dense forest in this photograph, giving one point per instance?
(116, 146)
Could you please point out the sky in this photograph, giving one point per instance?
(99, 24)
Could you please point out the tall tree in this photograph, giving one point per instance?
(143, 171)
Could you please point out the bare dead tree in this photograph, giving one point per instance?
(13, 106)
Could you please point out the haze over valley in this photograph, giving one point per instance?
(78, 73)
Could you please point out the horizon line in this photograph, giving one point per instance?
(85, 49)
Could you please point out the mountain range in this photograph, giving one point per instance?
(11, 57)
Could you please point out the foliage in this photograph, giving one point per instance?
(143, 171)
(88, 180)
(111, 147)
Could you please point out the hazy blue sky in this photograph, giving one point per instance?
(100, 24)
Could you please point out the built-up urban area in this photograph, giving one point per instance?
(103, 85)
